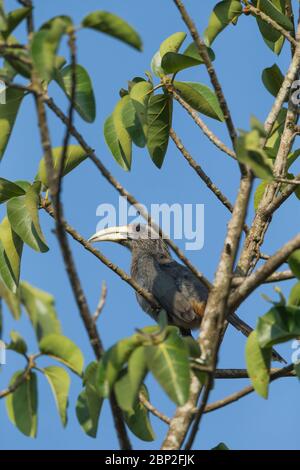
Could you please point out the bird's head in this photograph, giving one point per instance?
(133, 236)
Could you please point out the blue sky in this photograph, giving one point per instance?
(241, 55)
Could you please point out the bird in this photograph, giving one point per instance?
(181, 294)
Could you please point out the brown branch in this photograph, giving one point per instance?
(275, 277)
(266, 19)
(263, 273)
(210, 69)
(275, 374)
(196, 118)
(153, 410)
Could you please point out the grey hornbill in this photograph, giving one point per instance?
(177, 290)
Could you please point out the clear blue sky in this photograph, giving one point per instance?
(241, 56)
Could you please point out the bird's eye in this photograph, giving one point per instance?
(138, 228)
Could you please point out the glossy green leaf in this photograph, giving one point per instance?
(59, 381)
(40, 307)
(12, 300)
(89, 402)
(123, 392)
(172, 43)
(274, 12)
(140, 94)
(259, 192)
(173, 62)
(3, 19)
(84, 95)
(11, 247)
(75, 156)
(17, 343)
(132, 123)
(159, 118)
(272, 79)
(44, 46)
(113, 25)
(258, 362)
(8, 114)
(193, 51)
(137, 370)
(14, 18)
(294, 263)
(250, 153)
(272, 37)
(9, 190)
(201, 98)
(223, 14)
(23, 215)
(64, 350)
(278, 325)
(139, 421)
(22, 404)
(294, 297)
(169, 363)
(113, 361)
(117, 137)
(156, 65)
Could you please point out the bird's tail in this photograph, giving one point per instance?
(242, 326)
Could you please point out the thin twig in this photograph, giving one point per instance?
(196, 118)
(153, 410)
(275, 277)
(101, 302)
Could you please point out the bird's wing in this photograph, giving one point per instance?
(172, 288)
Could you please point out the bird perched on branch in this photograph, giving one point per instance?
(176, 289)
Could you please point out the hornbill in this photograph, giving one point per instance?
(177, 290)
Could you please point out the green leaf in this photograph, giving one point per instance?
(272, 79)
(14, 18)
(117, 137)
(294, 297)
(278, 325)
(132, 123)
(223, 14)
(137, 370)
(272, 37)
(89, 402)
(8, 114)
(139, 422)
(201, 98)
(75, 155)
(140, 94)
(113, 361)
(113, 25)
(172, 43)
(11, 247)
(64, 350)
(258, 362)
(84, 95)
(193, 51)
(59, 381)
(294, 263)
(159, 117)
(9, 190)
(21, 405)
(259, 192)
(17, 343)
(169, 363)
(123, 392)
(250, 153)
(40, 308)
(221, 446)
(156, 65)
(173, 62)
(12, 300)
(292, 157)
(44, 46)
(274, 12)
(23, 215)
(273, 142)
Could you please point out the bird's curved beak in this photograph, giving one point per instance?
(112, 234)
